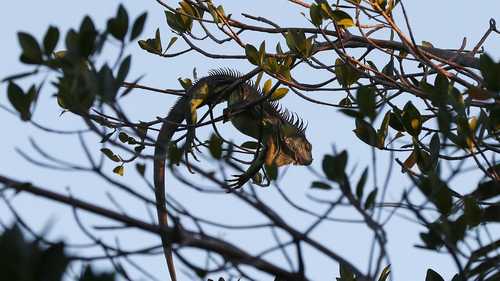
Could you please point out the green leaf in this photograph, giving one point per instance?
(315, 14)
(123, 137)
(250, 145)
(365, 132)
(334, 166)
(411, 119)
(345, 273)
(437, 192)
(296, 41)
(141, 168)
(366, 101)
(107, 136)
(361, 184)
(252, 54)
(370, 200)
(262, 52)
(486, 190)
(32, 54)
(118, 26)
(491, 72)
(321, 185)
(472, 211)
(171, 42)
(434, 148)
(382, 132)
(21, 101)
(123, 71)
(110, 154)
(346, 73)
(87, 37)
(138, 26)
(50, 40)
(433, 276)
(215, 146)
(389, 69)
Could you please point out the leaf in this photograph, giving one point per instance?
(21, 101)
(320, 185)
(267, 86)
(250, 145)
(361, 184)
(486, 190)
(123, 71)
(141, 168)
(411, 119)
(472, 211)
(315, 14)
(50, 40)
(110, 154)
(490, 72)
(370, 200)
(365, 132)
(385, 273)
(123, 137)
(118, 26)
(410, 161)
(119, 170)
(262, 52)
(138, 26)
(342, 18)
(32, 54)
(107, 136)
(252, 54)
(382, 132)
(433, 276)
(366, 101)
(346, 73)
(171, 42)
(215, 146)
(278, 94)
(345, 273)
(334, 166)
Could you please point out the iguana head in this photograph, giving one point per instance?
(290, 145)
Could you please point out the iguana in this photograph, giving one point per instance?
(281, 135)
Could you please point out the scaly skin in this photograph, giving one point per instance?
(282, 136)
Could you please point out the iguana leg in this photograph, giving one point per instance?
(239, 180)
(199, 98)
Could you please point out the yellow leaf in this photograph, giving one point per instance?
(267, 86)
(410, 161)
(119, 170)
(278, 94)
(415, 124)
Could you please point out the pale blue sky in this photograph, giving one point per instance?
(443, 23)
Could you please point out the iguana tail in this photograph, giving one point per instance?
(167, 130)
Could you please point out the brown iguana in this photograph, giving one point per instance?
(282, 136)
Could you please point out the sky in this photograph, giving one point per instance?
(443, 23)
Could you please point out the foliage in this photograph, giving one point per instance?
(437, 109)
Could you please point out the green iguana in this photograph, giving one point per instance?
(281, 135)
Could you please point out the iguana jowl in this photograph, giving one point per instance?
(282, 136)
